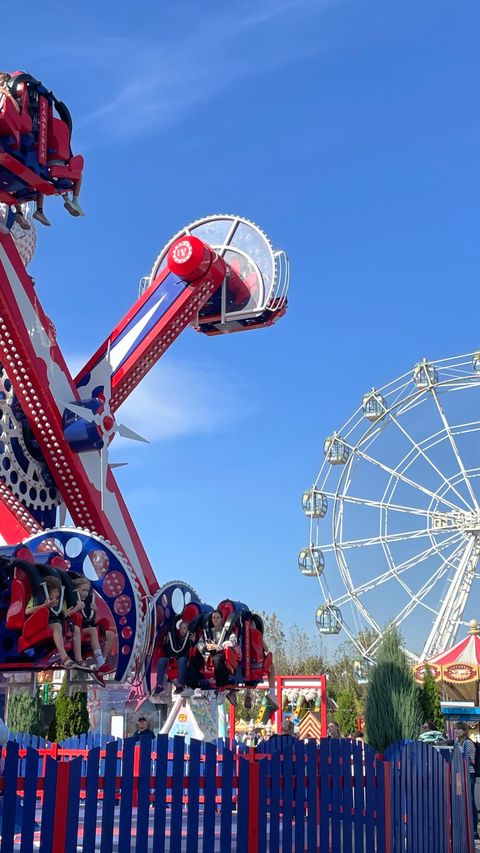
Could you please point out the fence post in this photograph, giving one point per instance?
(388, 806)
(61, 807)
(253, 791)
(448, 801)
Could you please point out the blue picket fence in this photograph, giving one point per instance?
(173, 797)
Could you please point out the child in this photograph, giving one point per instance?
(86, 605)
(178, 647)
(56, 617)
(271, 694)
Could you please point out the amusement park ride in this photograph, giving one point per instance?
(395, 512)
(219, 275)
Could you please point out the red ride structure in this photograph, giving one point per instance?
(219, 275)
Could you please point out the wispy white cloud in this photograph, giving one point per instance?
(175, 400)
(151, 82)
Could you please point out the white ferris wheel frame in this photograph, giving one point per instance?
(447, 506)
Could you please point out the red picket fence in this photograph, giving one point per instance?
(202, 798)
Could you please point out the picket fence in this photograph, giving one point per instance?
(172, 797)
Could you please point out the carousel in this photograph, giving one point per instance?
(457, 673)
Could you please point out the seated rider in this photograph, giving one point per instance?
(71, 204)
(177, 646)
(56, 617)
(87, 606)
(271, 695)
(19, 216)
(213, 642)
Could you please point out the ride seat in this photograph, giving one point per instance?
(72, 170)
(58, 145)
(34, 628)
(20, 595)
(10, 121)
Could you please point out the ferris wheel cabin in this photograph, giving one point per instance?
(425, 374)
(314, 503)
(311, 561)
(328, 619)
(336, 450)
(374, 406)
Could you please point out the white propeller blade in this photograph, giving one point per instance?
(126, 432)
(81, 411)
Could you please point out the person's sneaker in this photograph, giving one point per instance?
(22, 221)
(40, 217)
(159, 689)
(73, 206)
(272, 702)
(248, 701)
(198, 693)
(106, 668)
(232, 697)
(221, 695)
(179, 689)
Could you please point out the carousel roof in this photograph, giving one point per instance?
(466, 651)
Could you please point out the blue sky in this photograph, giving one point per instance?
(349, 131)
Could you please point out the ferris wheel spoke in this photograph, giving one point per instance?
(400, 476)
(392, 573)
(428, 460)
(377, 504)
(454, 447)
(379, 540)
(418, 597)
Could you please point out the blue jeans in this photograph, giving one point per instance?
(182, 669)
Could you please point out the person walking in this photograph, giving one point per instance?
(467, 748)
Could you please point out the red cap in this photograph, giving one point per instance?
(189, 258)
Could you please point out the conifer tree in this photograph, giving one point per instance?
(71, 715)
(393, 710)
(431, 709)
(24, 714)
(346, 714)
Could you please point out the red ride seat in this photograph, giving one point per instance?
(61, 163)
(10, 120)
(34, 628)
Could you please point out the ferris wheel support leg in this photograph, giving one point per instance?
(446, 624)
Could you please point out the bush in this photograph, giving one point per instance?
(25, 714)
(71, 715)
(430, 698)
(393, 710)
(346, 714)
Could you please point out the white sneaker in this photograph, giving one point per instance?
(272, 701)
(73, 206)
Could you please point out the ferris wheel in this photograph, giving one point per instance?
(395, 512)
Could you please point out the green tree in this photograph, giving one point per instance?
(430, 698)
(346, 714)
(393, 709)
(71, 713)
(24, 713)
